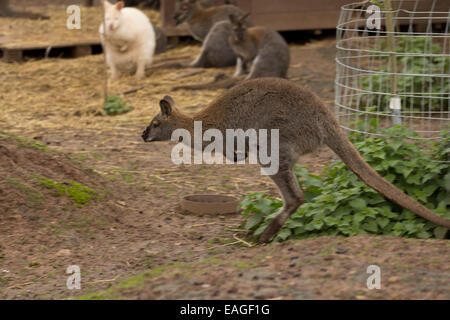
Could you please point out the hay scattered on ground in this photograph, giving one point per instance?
(22, 32)
(68, 93)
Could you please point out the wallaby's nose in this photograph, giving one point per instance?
(145, 134)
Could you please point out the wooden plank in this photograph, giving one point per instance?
(167, 12)
(12, 55)
(299, 6)
(32, 46)
(298, 20)
(81, 51)
(14, 52)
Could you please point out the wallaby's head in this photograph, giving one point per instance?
(162, 126)
(112, 14)
(184, 10)
(239, 26)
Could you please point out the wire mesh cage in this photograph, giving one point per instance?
(393, 66)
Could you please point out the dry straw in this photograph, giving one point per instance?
(67, 94)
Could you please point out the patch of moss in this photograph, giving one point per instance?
(80, 194)
(24, 142)
(134, 282)
(34, 199)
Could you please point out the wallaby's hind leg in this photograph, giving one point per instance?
(292, 197)
(199, 62)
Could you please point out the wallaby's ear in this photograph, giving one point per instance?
(106, 4)
(244, 17)
(120, 5)
(233, 19)
(166, 105)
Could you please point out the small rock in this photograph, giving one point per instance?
(394, 279)
(341, 250)
(64, 252)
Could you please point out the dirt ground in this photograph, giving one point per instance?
(134, 226)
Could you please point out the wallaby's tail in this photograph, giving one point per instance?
(340, 144)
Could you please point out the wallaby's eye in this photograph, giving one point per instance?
(156, 124)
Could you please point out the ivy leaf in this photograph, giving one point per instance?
(447, 182)
(253, 221)
(371, 226)
(396, 144)
(358, 204)
(440, 232)
(382, 222)
(284, 234)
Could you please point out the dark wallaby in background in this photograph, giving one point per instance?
(211, 26)
(261, 52)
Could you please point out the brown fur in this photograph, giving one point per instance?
(200, 20)
(261, 52)
(304, 123)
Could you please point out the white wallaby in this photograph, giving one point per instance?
(129, 39)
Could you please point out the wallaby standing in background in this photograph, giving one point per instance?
(128, 41)
(200, 20)
(212, 27)
(304, 123)
(261, 51)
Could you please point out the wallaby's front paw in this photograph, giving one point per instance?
(140, 76)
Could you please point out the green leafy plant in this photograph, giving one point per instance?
(338, 203)
(411, 82)
(115, 105)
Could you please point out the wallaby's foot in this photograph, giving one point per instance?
(240, 67)
(197, 63)
(114, 73)
(271, 230)
(292, 196)
(140, 72)
(140, 75)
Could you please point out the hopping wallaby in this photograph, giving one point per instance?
(304, 123)
(129, 39)
(260, 51)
